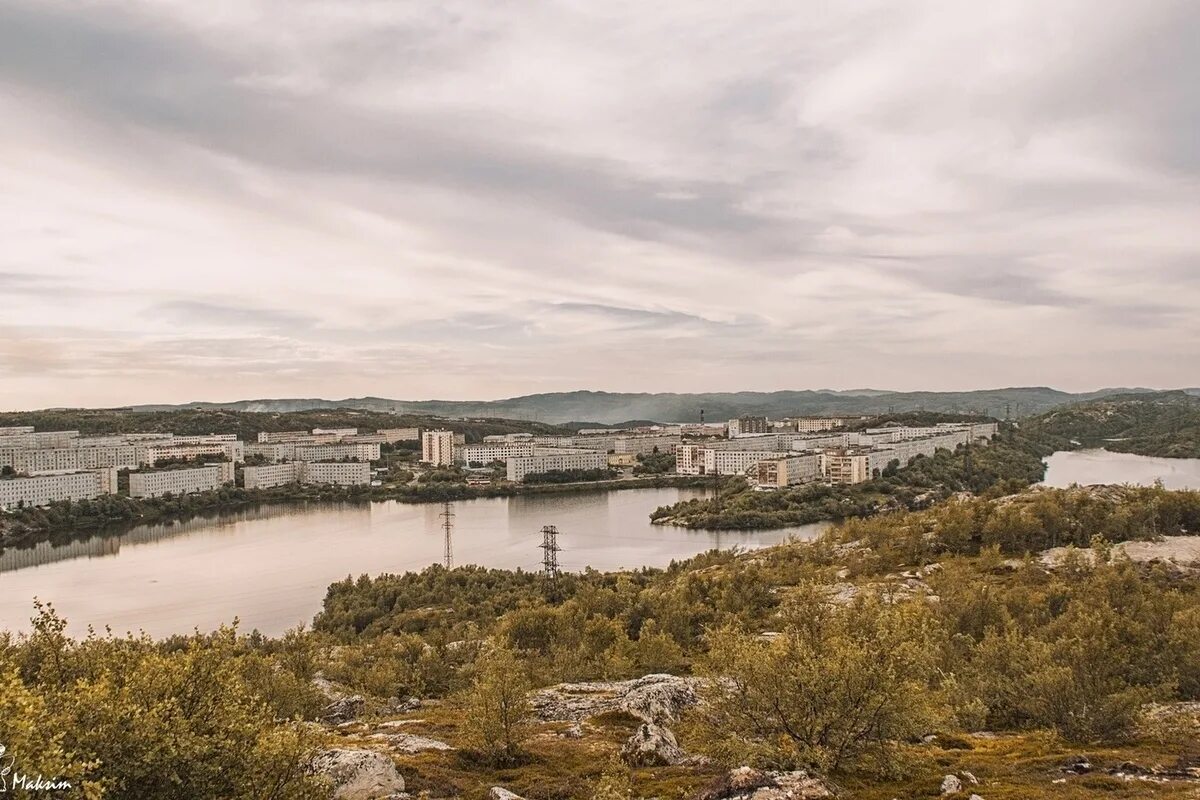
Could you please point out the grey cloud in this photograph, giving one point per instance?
(131, 70)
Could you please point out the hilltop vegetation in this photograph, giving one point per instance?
(832, 656)
(1160, 424)
(248, 424)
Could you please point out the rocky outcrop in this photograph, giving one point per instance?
(652, 746)
(503, 794)
(951, 784)
(653, 698)
(746, 783)
(409, 742)
(359, 774)
(344, 709)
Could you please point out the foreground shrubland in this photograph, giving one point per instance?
(890, 652)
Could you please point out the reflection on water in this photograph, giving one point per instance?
(271, 566)
(1086, 467)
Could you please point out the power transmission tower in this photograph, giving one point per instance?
(550, 551)
(448, 527)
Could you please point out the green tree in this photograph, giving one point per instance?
(497, 708)
(838, 687)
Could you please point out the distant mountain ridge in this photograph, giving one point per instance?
(613, 407)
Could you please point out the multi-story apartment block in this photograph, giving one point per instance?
(846, 466)
(393, 435)
(271, 437)
(735, 462)
(645, 445)
(231, 450)
(437, 448)
(486, 453)
(41, 490)
(693, 459)
(338, 432)
(818, 424)
(518, 468)
(341, 473)
(748, 425)
(175, 481)
(271, 475)
(366, 451)
(346, 473)
(789, 470)
(12, 430)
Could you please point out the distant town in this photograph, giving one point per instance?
(38, 468)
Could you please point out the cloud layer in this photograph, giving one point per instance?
(309, 197)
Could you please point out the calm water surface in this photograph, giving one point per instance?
(1100, 466)
(271, 567)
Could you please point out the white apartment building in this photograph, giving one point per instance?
(791, 470)
(351, 473)
(341, 473)
(508, 437)
(518, 468)
(488, 452)
(393, 435)
(232, 450)
(366, 451)
(735, 462)
(175, 481)
(645, 445)
(817, 424)
(12, 430)
(44, 439)
(437, 448)
(273, 451)
(271, 475)
(338, 432)
(693, 459)
(41, 490)
(270, 437)
(72, 458)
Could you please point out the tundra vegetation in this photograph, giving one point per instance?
(882, 656)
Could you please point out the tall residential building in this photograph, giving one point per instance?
(437, 448)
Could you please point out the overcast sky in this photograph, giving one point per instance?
(271, 198)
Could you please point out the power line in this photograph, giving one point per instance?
(448, 528)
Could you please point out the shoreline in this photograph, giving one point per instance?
(58, 524)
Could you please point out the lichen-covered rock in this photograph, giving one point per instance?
(746, 783)
(410, 742)
(655, 698)
(504, 794)
(359, 774)
(951, 785)
(652, 746)
(345, 709)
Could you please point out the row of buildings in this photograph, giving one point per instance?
(786, 459)
(524, 454)
(41, 467)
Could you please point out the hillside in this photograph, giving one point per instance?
(1157, 424)
(613, 407)
(900, 656)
